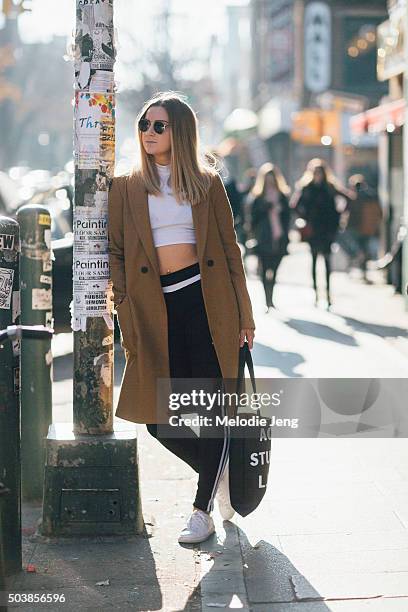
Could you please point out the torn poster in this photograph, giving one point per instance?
(107, 140)
(16, 308)
(49, 319)
(6, 287)
(94, 35)
(91, 191)
(94, 80)
(94, 113)
(15, 317)
(102, 80)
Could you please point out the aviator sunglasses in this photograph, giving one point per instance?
(158, 126)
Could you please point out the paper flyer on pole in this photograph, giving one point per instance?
(94, 121)
(91, 233)
(92, 287)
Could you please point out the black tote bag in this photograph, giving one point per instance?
(248, 454)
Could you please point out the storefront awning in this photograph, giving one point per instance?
(379, 119)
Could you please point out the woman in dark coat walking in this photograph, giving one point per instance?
(270, 216)
(315, 202)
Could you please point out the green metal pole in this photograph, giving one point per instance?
(10, 530)
(3, 586)
(36, 358)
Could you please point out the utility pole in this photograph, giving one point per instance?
(94, 144)
(91, 478)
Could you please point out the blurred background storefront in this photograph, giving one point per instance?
(313, 65)
(271, 80)
(387, 122)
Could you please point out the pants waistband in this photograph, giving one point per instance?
(166, 280)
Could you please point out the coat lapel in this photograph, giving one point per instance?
(139, 208)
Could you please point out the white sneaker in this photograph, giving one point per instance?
(223, 496)
(199, 527)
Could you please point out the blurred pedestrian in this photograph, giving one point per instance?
(315, 202)
(235, 199)
(270, 216)
(248, 181)
(245, 187)
(364, 221)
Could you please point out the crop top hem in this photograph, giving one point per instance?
(171, 222)
(176, 241)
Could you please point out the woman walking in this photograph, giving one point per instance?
(270, 217)
(179, 289)
(315, 202)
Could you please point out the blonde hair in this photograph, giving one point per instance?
(317, 164)
(191, 171)
(265, 170)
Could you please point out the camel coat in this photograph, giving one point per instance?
(138, 294)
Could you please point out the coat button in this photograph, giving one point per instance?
(210, 262)
(144, 269)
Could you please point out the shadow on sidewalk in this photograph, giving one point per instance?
(221, 583)
(384, 331)
(321, 331)
(74, 566)
(239, 575)
(284, 361)
(271, 578)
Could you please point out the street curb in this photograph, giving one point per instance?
(222, 577)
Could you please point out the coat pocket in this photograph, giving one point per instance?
(124, 313)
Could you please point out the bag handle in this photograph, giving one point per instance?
(245, 357)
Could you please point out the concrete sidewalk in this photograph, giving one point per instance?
(331, 534)
(144, 572)
(374, 306)
(150, 571)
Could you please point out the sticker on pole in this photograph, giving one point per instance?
(7, 241)
(6, 287)
(16, 379)
(41, 299)
(44, 219)
(47, 262)
(16, 306)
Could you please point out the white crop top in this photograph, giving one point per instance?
(171, 222)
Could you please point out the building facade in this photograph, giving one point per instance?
(313, 65)
(387, 121)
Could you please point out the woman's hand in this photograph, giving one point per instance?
(249, 333)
